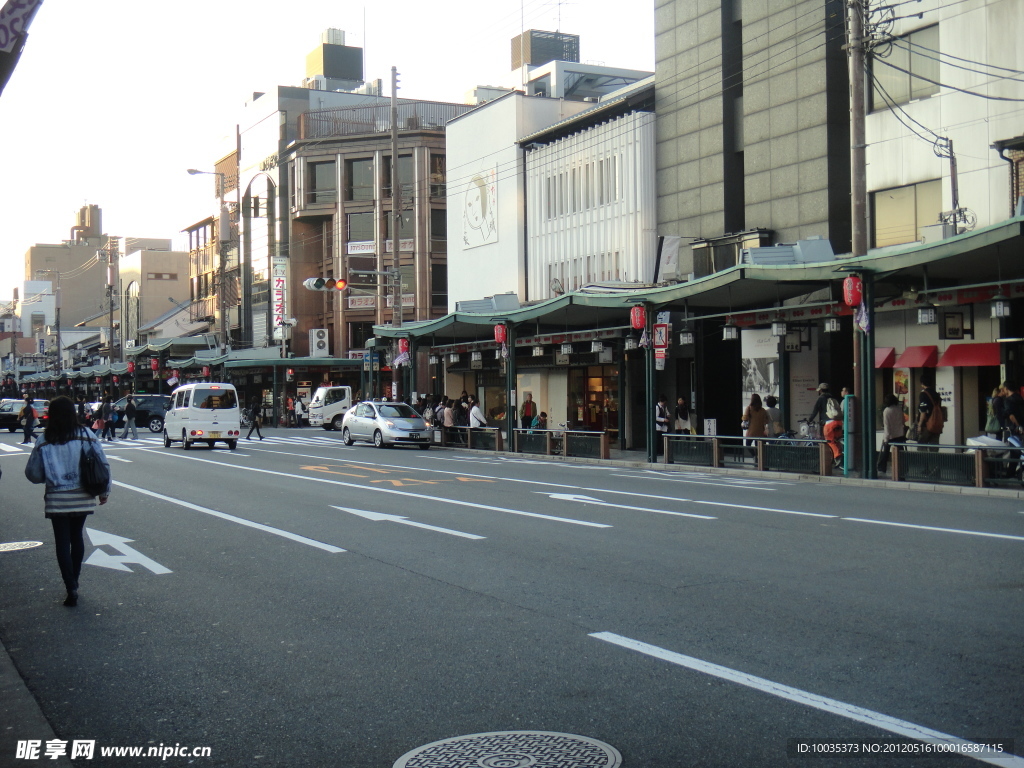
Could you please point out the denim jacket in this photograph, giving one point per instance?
(57, 464)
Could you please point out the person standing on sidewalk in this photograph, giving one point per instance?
(930, 418)
(56, 461)
(528, 411)
(129, 419)
(893, 430)
(300, 411)
(28, 420)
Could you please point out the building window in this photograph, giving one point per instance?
(406, 176)
(901, 212)
(438, 230)
(438, 176)
(358, 333)
(360, 227)
(406, 229)
(439, 286)
(321, 185)
(911, 58)
(359, 180)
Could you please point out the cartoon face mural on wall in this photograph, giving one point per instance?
(479, 214)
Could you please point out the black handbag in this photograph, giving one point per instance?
(93, 474)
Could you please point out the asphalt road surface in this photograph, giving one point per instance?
(300, 603)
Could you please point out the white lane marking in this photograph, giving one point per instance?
(599, 503)
(565, 486)
(118, 458)
(726, 482)
(231, 518)
(380, 516)
(933, 528)
(10, 448)
(420, 496)
(832, 706)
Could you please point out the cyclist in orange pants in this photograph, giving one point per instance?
(833, 433)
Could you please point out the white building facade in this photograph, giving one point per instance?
(486, 205)
(591, 213)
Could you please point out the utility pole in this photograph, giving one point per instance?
(396, 220)
(396, 207)
(863, 368)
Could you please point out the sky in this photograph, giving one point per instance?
(114, 99)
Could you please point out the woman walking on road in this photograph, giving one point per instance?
(255, 418)
(56, 460)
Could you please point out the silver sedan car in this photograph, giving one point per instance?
(384, 425)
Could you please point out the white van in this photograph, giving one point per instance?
(329, 406)
(203, 413)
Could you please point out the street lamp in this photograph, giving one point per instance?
(223, 235)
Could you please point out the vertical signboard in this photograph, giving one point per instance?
(278, 292)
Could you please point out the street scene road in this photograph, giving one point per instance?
(300, 602)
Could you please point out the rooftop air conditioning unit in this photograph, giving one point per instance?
(319, 345)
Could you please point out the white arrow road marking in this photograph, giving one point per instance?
(874, 719)
(379, 516)
(598, 502)
(419, 496)
(117, 562)
(241, 521)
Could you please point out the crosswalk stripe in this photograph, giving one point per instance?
(10, 448)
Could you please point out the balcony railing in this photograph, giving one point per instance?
(412, 116)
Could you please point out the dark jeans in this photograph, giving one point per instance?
(256, 426)
(108, 429)
(67, 533)
(29, 431)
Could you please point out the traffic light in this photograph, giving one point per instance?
(325, 284)
(290, 375)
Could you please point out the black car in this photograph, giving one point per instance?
(10, 409)
(149, 411)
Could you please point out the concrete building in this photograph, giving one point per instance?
(149, 278)
(75, 266)
(340, 215)
(753, 119)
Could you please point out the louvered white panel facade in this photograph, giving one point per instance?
(591, 207)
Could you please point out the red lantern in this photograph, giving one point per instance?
(131, 366)
(116, 379)
(403, 346)
(638, 317)
(206, 371)
(175, 373)
(853, 291)
(500, 334)
(99, 379)
(154, 363)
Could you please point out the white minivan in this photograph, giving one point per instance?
(203, 413)
(328, 407)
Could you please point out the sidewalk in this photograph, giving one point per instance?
(20, 718)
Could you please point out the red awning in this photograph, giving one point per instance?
(970, 355)
(918, 357)
(885, 357)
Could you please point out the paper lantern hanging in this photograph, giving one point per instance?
(638, 317)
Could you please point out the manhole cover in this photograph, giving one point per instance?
(11, 546)
(513, 749)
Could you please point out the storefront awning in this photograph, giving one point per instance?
(918, 357)
(885, 357)
(970, 355)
